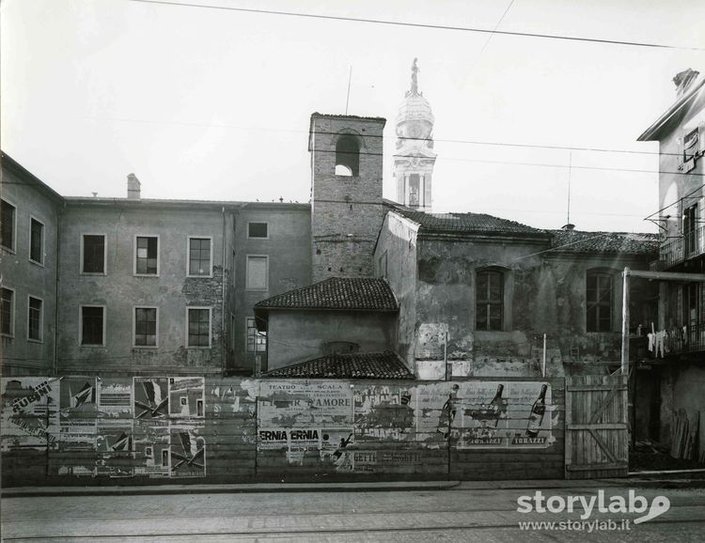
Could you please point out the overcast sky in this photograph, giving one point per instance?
(214, 104)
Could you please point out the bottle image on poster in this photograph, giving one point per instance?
(538, 410)
(495, 406)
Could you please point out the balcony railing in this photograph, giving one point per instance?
(679, 249)
(688, 339)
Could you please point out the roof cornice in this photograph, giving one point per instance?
(651, 133)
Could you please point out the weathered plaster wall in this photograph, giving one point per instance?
(288, 248)
(543, 294)
(120, 290)
(673, 184)
(395, 260)
(21, 356)
(296, 336)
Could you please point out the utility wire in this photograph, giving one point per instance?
(404, 138)
(424, 25)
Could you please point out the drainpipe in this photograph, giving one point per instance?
(55, 362)
(543, 366)
(625, 321)
(449, 374)
(224, 350)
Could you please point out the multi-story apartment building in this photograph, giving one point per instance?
(28, 271)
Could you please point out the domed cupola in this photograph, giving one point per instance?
(414, 157)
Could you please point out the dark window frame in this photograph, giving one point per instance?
(35, 319)
(256, 341)
(93, 255)
(257, 224)
(36, 246)
(93, 326)
(8, 225)
(599, 301)
(145, 328)
(147, 265)
(198, 253)
(7, 312)
(490, 284)
(195, 327)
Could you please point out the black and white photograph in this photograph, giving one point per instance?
(372, 271)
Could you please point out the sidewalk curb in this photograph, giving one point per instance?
(31, 492)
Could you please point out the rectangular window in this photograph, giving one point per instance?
(7, 311)
(599, 302)
(93, 253)
(257, 272)
(489, 301)
(34, 319)
(7, 225)
(36, 241)
(256, 340)
(199, 256)
(690, 229)
(146, 255)
(199, 327)
(145, 327)
(257, 230)
(92, 325)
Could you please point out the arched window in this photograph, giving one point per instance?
(489, 299)
(599, 300)
(347, 157)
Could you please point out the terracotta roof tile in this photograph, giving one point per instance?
(479, 223)
(351, 294)
(380, 365)
(575, 241)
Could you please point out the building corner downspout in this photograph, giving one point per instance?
(223, 335)
(625, 321)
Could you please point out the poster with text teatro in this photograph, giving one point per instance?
(304, 405)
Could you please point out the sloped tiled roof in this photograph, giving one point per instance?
(575, 241)
(380, 365)
(351, 294)
(479, 223)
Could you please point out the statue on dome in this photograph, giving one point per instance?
(414, 77)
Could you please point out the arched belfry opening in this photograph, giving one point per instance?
(347, 156)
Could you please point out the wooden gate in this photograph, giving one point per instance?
(596, 436)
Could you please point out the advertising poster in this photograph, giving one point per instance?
(384, 412)
(486, 414)
(187, 397)
(114, 445)
(188, 451)
(304, 405)
(151, 441)
(151, 397)
(78, 410)
(115, 398)
(30, 412)
(308, 417)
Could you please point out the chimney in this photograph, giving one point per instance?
(133, 187)
(683, 80)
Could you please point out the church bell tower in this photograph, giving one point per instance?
(414, 157)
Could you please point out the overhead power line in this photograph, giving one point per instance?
(425, 25)
(405, 138)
